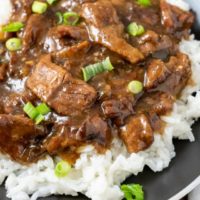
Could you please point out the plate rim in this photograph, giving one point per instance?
(187, 189)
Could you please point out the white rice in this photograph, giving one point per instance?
(99, 176)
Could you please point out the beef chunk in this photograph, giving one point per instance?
(75, 32)
(21, 10)
(156, 73)
(107, 30)
(118, 110)
(3, 68)
(74, 52)
(57, 36)
(137, 134)
(34, 31)
(62, 139)
(151, 42)
(93, 130)
(158, 102)
(54, 85)
(180, 67)
(171, 76)
(17, 134)
(175, 19)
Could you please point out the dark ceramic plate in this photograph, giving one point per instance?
(183, 170)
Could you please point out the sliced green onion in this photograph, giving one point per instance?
(62, 169)
(13, 27)
(145, 3)
(133, 192)
(39, 7)
(30, 110)
(92, 70)
(70, 18)
(14, 44)
(39, 119)
(135, 30)
(135, 87)
(59, 17)
(50, 2)
(43, 109)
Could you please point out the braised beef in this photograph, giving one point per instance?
(118, 109)
(65, 94)
(3, 68)
(156, 73)
(93, 130)
(158, 102)
(137, 134)
(48, 69)
(34, 31)
(175, 20)
(16, 132)
(106, 29)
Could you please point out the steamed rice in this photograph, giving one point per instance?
(99, 176)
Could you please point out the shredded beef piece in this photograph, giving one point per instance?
(106, 29)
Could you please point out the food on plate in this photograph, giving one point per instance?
(89, 87)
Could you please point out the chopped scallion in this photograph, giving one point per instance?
(145, 3)
(50, 2)
(133, 192)
(70, 18)
(135, 30)
(36, 114)
(135, 87)
(62, 169)
(43, 109)
(30, 110)
(14, 44)
(39, 7)
(94, 69)
(13, 27)
(39, 119)
(59, 17)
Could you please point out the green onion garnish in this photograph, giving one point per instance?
(145, 3)
(13, 27)
(62, 169)
(39, 7)
(14, 44)
(135, 30)
(43, 109)
(70, 18)
(36, 114)
(39, 119)
(92, 70)
(50, 2)
(135, 87)
(30, 110)
(133, 192)
(59, 17)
